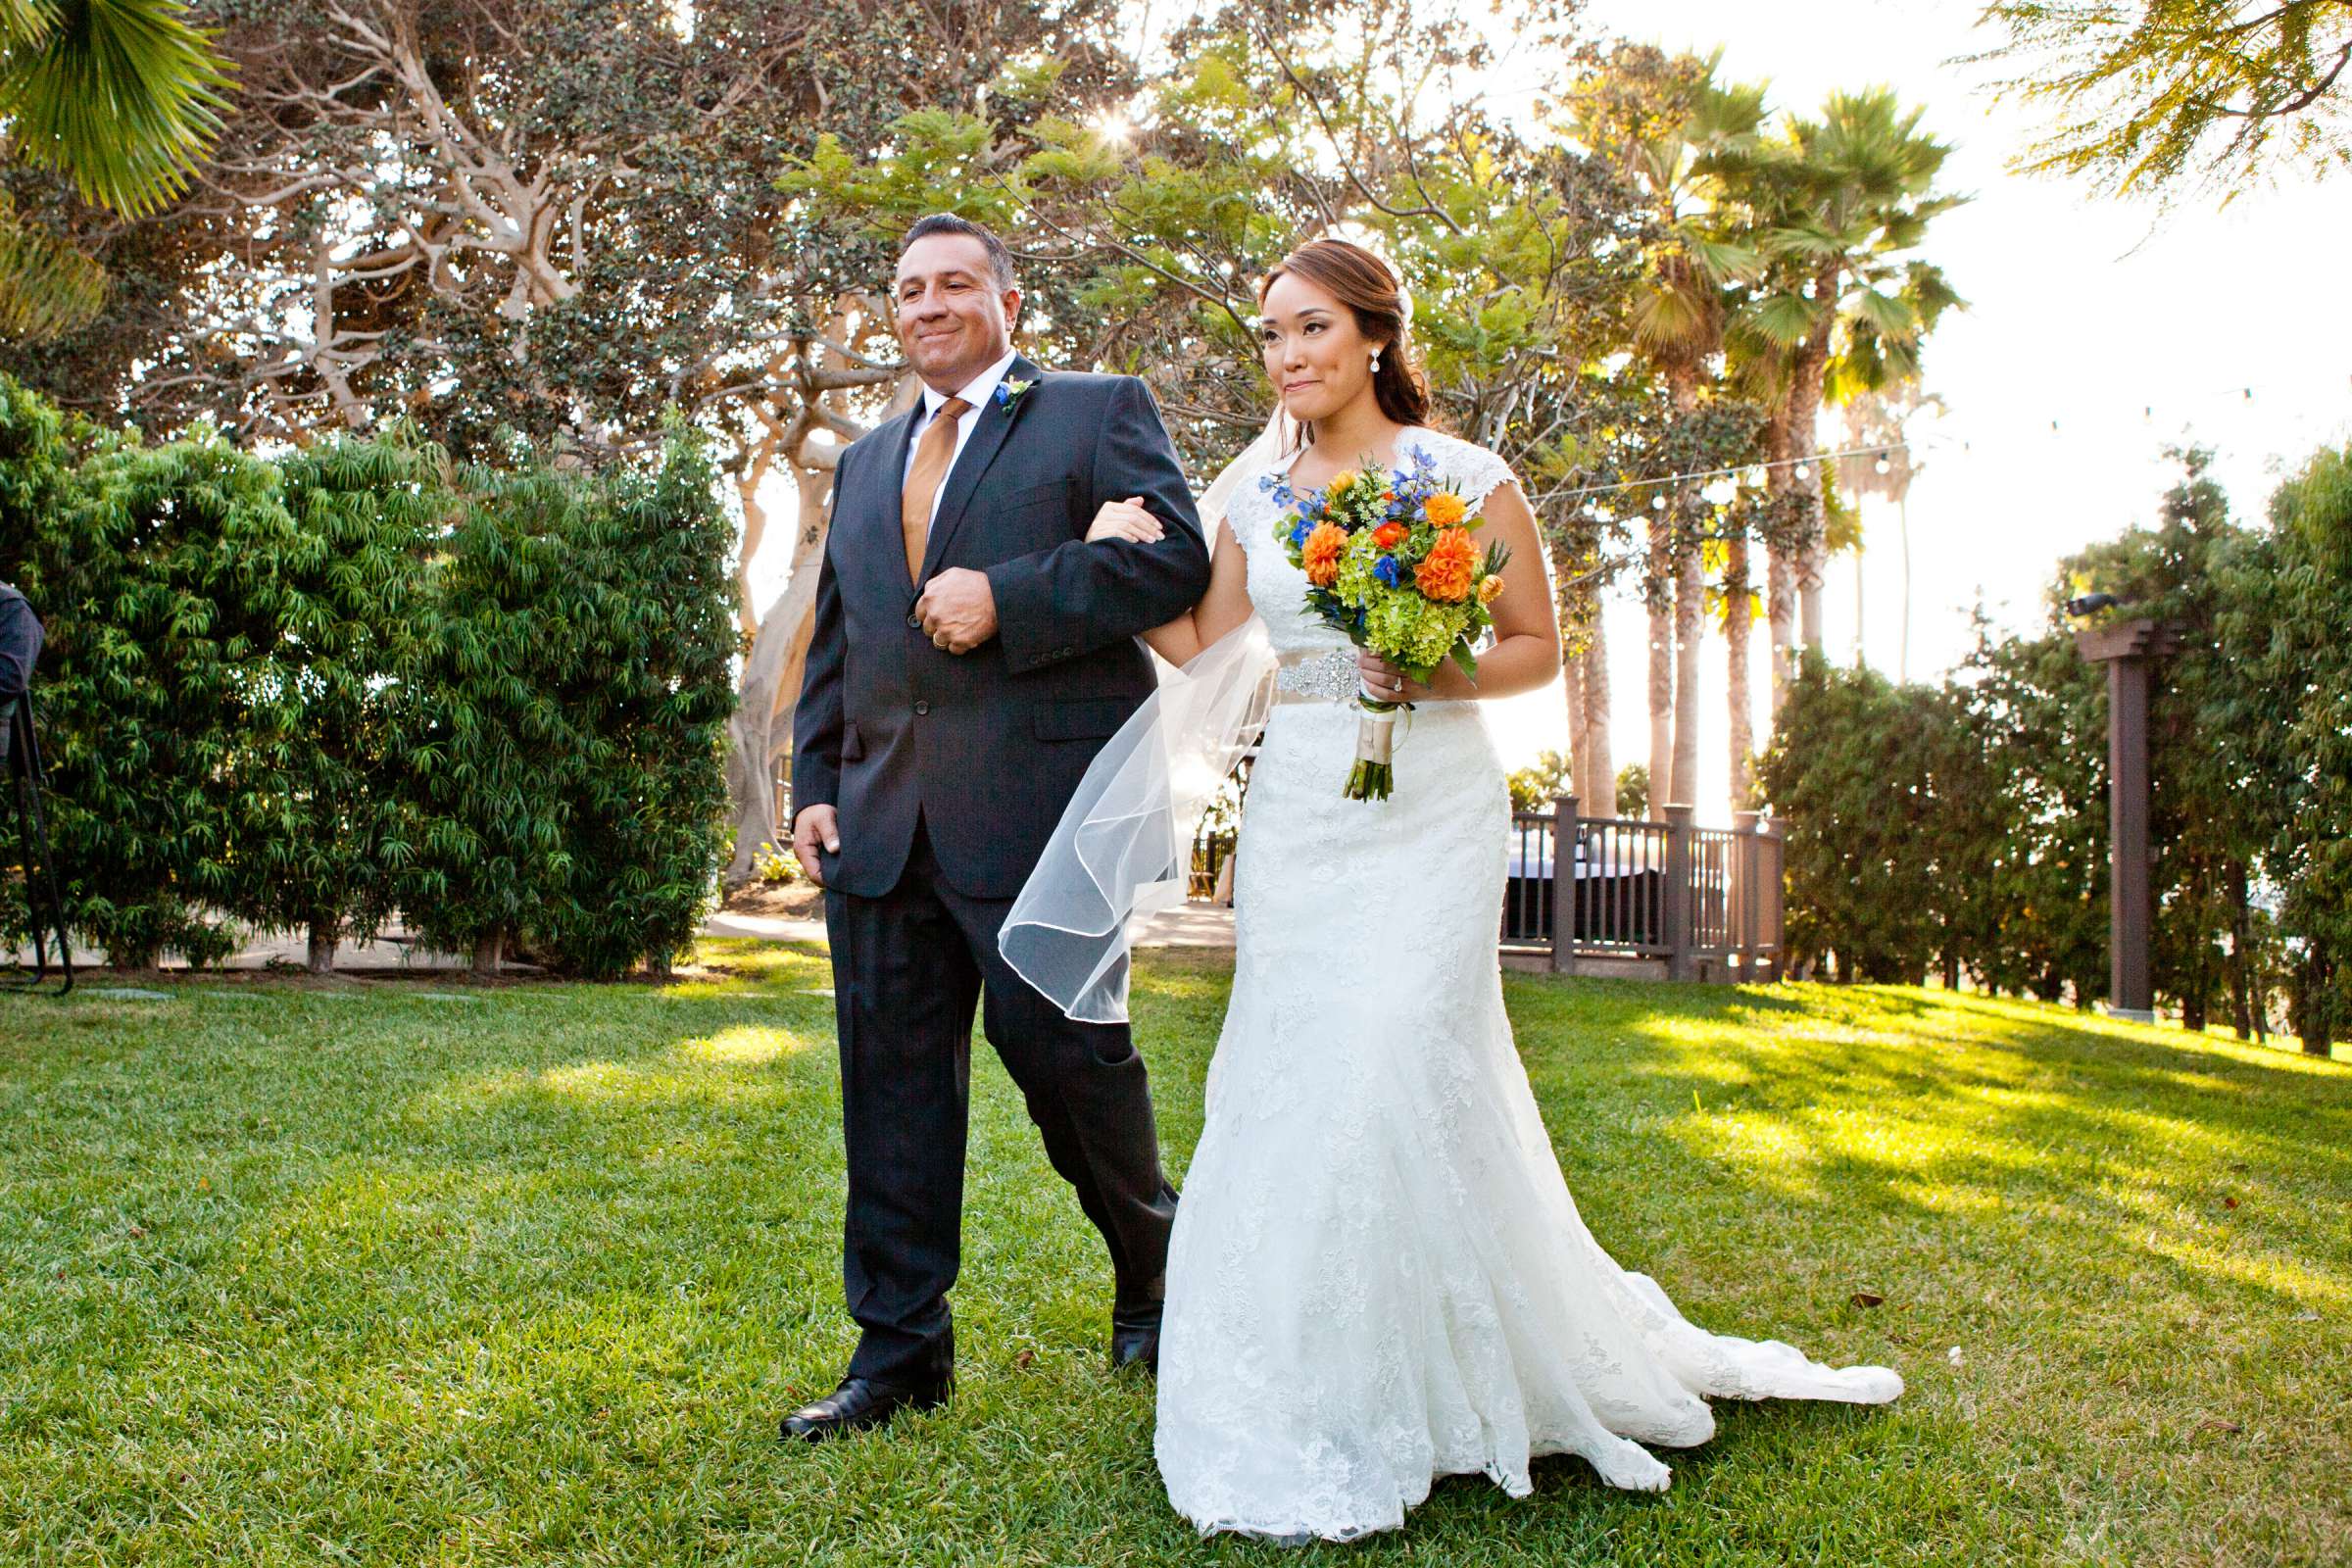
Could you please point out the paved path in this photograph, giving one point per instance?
(1195, 925)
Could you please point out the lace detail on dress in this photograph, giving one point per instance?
(1378, 1275)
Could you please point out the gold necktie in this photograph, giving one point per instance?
(931, 456)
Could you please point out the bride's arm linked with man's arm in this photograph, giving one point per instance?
(1072, 599)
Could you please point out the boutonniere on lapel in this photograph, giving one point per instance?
(1008, 393)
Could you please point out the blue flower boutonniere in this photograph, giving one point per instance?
(1009, 393)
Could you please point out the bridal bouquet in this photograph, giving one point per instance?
(1390, 563)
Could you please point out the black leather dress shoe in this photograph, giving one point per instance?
(855, 1405)
(1135, 1340)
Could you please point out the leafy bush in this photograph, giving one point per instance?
(303, 693)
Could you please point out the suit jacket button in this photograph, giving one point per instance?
(915, 621)
(922, 707)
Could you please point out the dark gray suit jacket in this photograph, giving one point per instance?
(20, 644)
(988, 746)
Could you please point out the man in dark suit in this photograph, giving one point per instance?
(971, 655)
(19, 647)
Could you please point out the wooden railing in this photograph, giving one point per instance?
(1704, 902)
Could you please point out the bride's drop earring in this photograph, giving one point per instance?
(1376, 361)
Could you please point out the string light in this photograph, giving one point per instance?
(1803, 466)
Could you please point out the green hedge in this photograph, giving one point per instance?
(301, 694)
(1965, 828)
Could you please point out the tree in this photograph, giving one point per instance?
(1278, 123)
(1865, 773)
(123, 97)
(2181, 94)
(2288, 597)
(1844, 308)
(1882, 420)
(1663, 122)
(530, 216)
(1536, 786)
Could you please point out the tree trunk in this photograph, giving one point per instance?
(487, 952)
(1596, 713)
(1780, 571)
(761, 732)
(2241, 989)
(1739, 617)
(325, 937)
(755, 470)
(1690, 641)
(1657, 596)
(1812, 557)
(2308, 1006)
(1902, 648)
(1580, 754)
(1858, 602)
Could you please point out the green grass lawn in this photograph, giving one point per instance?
(391, 1274)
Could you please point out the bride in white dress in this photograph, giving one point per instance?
(1378, 1276)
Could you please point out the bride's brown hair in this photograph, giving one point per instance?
(1362, 281)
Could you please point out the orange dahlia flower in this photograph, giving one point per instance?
(1321, 554)
(1445, 572)
(1389, 534)
(1445, 508)
(1490, 590)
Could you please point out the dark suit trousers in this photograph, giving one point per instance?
(907, 970)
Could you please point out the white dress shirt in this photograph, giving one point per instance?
(975, 392)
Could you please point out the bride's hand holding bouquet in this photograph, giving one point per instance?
(1390, 563)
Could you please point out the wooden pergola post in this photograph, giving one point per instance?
(2126, 648)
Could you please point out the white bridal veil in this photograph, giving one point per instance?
(1123, 851)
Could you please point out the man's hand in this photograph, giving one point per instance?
(812, 826)
(958, 609)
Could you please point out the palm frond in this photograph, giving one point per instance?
(47, 287)
(123, 95)
(1779, 318)
(1886, 315)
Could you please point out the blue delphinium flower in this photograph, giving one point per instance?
(1388, 569)
(1300, 533)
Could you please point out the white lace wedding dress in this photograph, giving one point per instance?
(1378, 1276)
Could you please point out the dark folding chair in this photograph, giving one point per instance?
(21, 765)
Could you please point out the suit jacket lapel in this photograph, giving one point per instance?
(889, 486)
(995, 424)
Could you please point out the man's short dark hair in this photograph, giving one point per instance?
(1000, 260)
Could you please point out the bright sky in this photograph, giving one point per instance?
(2096, 331)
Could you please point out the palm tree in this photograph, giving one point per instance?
(1844, 308)
(122, 96)
(1664, 122)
